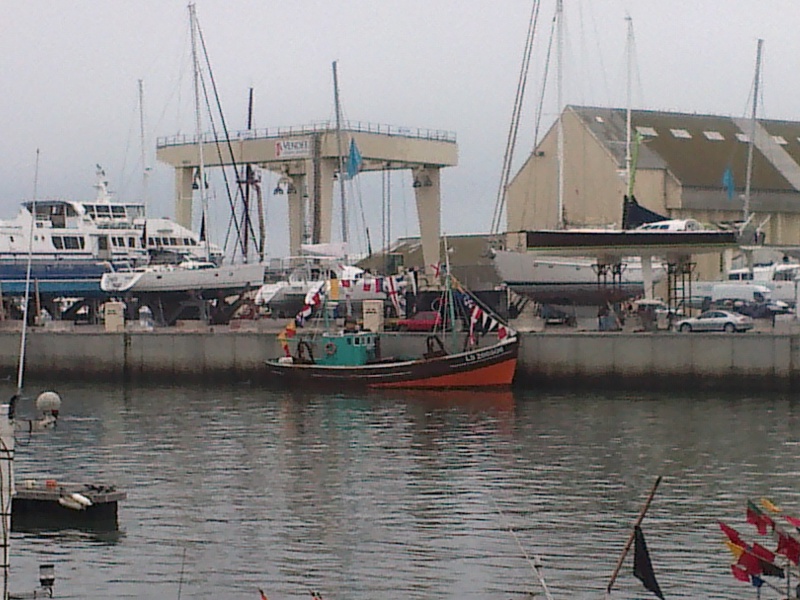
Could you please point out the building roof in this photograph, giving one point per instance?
(697, 149)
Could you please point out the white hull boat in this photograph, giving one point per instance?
(569, 280)
(202, 277)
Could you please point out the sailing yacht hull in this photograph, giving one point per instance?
(177, 279)
(556, 280)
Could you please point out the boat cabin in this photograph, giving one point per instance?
(347, 349)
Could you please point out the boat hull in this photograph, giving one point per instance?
(488, 367)
(234, 277)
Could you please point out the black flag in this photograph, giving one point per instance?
(642, 567)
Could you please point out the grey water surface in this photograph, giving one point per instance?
(404, 494)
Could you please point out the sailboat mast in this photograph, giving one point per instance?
(559, 100)
(145, 170)
(628, 155)
(248, 176)
(198, 128)
(340, 150)
(26, 302)
(752, 136)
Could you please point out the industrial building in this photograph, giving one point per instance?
(688, 166)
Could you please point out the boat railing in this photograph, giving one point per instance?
(314, 127)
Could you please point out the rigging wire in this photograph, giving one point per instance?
(214, 89)
(540, 107)
(500, 202)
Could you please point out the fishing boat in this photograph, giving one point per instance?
(355, 358)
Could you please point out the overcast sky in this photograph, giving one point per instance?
(70, 71)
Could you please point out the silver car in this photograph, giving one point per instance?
(716, 320)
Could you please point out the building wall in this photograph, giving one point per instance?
(594, 184)
(594, 187)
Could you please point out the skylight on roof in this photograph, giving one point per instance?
(681, 133)
(714, 136)
(779, 139)
(743, 137)
(644, 130)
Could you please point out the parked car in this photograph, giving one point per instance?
(716, 320)
(424, 320)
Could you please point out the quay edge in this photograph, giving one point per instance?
(637, 361)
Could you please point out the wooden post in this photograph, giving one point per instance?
(636, 523)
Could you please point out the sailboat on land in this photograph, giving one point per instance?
(545, 267)
(200, 276)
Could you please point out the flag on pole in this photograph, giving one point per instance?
(758, 518)
(353, 160)
(642, 567)
(727, 182)
(732, 534)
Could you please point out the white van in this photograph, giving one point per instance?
(747, 292)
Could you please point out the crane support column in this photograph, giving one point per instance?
(294, 199)
(184, 178)
(428, 195)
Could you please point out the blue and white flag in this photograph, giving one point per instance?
(353, 160)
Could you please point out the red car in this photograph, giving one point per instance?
(425, 320)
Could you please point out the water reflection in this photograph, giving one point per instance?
(410, 494)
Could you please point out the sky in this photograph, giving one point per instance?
(71, 69)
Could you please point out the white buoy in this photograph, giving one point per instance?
(49, 402)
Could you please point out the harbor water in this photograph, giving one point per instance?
(404, 494)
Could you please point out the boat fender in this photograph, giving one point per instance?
(330, 348)
(69, 502)
(81, 499)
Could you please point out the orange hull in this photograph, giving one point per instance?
(496, 375)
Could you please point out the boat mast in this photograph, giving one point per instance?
(751, 141)
(198, 129)
(628, 155)
(26, 302)
(145, 169)
(340, 151)
(559, 100)
(248, 176)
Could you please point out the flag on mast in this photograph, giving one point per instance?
(353, 160)
(642, 567)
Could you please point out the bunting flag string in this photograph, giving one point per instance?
(753, 562)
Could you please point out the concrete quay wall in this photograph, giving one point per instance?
(665, 360)
(586, 359)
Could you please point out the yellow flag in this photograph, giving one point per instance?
(737, 551)
(769, 506)
(334, 287)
